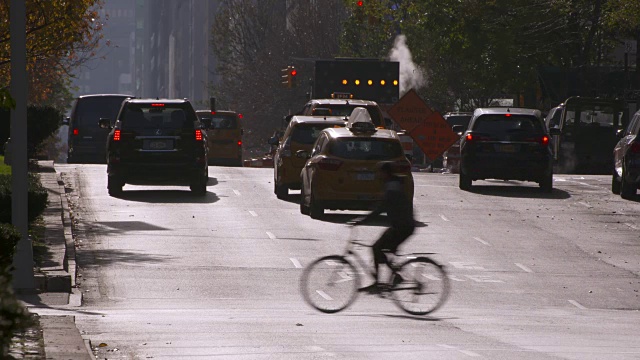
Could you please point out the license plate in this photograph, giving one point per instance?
(507, 148)
(365, 176)
(159, 144)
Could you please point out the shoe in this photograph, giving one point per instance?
(371, 289)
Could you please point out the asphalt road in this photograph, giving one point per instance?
(166, 275)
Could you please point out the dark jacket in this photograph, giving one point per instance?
(396, 205)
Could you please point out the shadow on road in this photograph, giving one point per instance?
(100, 257)
(168, 197)
(516, 189)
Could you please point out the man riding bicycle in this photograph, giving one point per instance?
(399, 210)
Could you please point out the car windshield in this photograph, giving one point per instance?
(162, 116)
(91, 109)
(308, 133)
(366, 149)
(503, 127)
(346, 110)
(591, 115)
(227, 121)
(458, 120)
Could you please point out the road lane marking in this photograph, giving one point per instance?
(632, 226)
(271, 236)
(585, 204)
(524, 268)
(444, 218)
(253, 213)
(481, 241)
(469, 353)
(466, 265)
(577, 304)
(466, 352)
(324, 295)
(296, 263)
(236, 192)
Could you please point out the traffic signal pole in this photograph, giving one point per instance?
(23, 258)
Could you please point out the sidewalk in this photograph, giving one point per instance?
(56, 284)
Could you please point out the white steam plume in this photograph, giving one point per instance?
(411, 76)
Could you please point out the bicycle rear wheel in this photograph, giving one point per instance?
(330, 284)
(422, 288)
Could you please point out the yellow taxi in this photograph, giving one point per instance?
(300, 135)
(224, 136)
(344, 107)
(340, 170)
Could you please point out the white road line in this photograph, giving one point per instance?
(324, 295)
(253, 213)
(296, 263)
(446, 346)
(236, 192)
(481, 241)
(466, 352)
(444, 218)
(524, 268)
(577, 304)
(632, 226)
(470, 353)
(271, 236)
(585, 204)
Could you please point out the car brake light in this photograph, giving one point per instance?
(157, 105)
(476, 137)
(329, 164)
(75, 132)
(198, 135)
(116, 135)
(507, 115)
(239, 142)
(240, 116)
(544, 140)
(213, 113)
(635, 148)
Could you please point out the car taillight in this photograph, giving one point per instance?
(635, 148)
(75, 132)
(401, 167)
(116, 135)
(198, 135)
(329, 164)
(476, 137)
(542, 140)
(239, 142)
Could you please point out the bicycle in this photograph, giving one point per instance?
(417, 284)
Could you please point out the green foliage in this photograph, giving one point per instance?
(37, 198)
(14, 317)
(6, 101)
(9, 237)
(43, 121)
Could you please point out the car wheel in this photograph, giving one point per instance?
(315, 210)
(199, 187)
(304, 209)
(546, 185)
(615, 183)
(114, 186)
(627, 191)
(281, 191)
(464, 181)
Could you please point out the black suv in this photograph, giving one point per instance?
(506, 144)
(156, 141)
(626, 158)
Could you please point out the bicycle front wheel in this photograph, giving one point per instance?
(330, 284)
(420, 286)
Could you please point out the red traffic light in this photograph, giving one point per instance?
(294, 72)
(360, 3)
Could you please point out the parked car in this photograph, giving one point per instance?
(451, 157)
(156, 142)
(626, 159)
(506, 144)
(340, 173)
(300, 134)
(86, 139)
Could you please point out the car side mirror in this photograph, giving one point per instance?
(555, 131)
(287, 118)
(206, 123)
(104, 123)
(620, 133)
(302, 154)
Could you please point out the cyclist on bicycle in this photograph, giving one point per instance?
(399, 209)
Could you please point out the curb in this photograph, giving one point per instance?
(62, 337)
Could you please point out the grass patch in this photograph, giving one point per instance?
(4, 169)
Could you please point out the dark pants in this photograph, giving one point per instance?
(389, 241)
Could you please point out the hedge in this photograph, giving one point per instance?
(37, 198)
